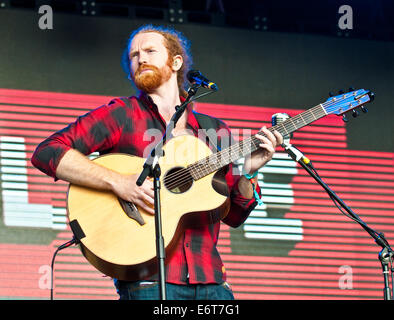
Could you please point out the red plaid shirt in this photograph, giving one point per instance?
(119, 126)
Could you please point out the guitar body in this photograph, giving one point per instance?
(124, 247)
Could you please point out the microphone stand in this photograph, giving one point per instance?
(151, 168)
(386, 254)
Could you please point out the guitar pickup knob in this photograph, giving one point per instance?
(355, 113)
(364, 109)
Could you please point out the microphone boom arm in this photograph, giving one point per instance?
(386, 254)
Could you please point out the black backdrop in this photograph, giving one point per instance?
(82, 55)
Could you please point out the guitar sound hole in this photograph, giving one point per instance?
(178, 180)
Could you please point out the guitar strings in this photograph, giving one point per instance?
(222, 155)
(184, 175)
(174, 179)
(171, 180)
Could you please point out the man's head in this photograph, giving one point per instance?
(153, 54)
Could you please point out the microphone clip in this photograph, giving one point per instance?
(193, 89)
(294, 153)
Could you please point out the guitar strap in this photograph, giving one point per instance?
(206, 122)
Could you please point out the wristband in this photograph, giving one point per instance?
(251, 176)
(256, 195)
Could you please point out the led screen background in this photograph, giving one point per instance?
(297, 245)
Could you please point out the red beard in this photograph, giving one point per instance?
(149, 81)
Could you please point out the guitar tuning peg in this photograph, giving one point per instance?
(340, 91)
(345, 118)
(364, 109)
(330, 94)
(355, 113)
(351, 89)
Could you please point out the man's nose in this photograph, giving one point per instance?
(143, 58)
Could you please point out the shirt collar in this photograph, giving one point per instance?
(191, 119)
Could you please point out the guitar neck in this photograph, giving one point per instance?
(243, 148)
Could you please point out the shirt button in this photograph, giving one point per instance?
(187, 245)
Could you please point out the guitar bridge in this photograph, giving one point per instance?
(131, 211)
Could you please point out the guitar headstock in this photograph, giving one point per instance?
(345, 102)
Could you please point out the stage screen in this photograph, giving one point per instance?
(296, 245)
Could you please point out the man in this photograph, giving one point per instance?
(157, 60)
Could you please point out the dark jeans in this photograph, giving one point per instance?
(148, 290)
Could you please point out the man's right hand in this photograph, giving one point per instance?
(76, 168)
(143, 196)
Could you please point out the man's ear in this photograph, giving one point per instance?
(177, 62)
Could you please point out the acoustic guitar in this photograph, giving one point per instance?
(118, 237)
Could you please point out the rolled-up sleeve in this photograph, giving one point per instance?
(241, 206)
(96, 130)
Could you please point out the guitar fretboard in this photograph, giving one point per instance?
(245, 147)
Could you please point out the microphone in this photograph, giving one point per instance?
(294, 153)
(195, 76)
(278, 118)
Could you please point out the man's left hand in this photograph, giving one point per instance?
(265, 152)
